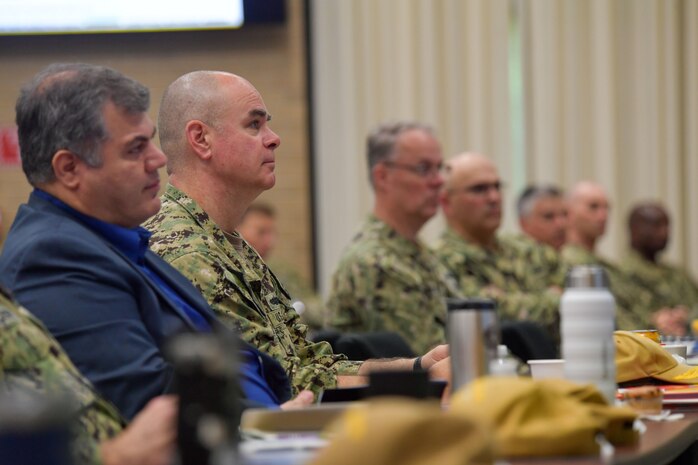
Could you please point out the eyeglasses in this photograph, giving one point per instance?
(423, 169)
(481, 188)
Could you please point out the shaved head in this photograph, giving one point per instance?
(588, 212)
(193, 96)
(471, 200)
(214, 128)
(463, 166)
(585, 189)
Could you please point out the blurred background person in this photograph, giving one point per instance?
(588, 208)
(387, 279)
(524, 278)
(671, 296)
(543, 215)
(259, 228)
(35, 373)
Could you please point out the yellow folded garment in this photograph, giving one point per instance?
(405, 432)
(544, 417)
(637, 357)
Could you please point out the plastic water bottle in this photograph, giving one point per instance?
(504, 364)
(587, 322)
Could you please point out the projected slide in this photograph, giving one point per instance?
(51, 16)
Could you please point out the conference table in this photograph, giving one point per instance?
(665, 442)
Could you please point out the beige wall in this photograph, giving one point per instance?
(271, 57)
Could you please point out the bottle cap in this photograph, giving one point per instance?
(587, 276)
(502, 351)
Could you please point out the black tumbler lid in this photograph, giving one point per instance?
(473, 303)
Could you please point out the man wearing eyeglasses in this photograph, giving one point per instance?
(543, 215)
(387, 280)
(523, 278)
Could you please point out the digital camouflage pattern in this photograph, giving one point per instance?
(313, 314)
(523, 277)
(628, 315)
(663, 286)
(32, 361)
(385, 282)
(242, 290)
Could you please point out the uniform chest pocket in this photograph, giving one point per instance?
(281, 331)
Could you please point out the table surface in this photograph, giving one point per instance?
(660, 444)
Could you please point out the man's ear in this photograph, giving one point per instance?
(379, 175)
(198, 136)
(68, 168)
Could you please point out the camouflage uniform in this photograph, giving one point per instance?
(242, 291)
(523, 277)
(386, 282)
(31, 360)
(663, 286)
(626, 295)
(298, 288)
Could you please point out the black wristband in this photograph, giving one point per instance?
(417, 364)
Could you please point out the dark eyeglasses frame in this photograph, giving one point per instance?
(480, 188)
(423, 169)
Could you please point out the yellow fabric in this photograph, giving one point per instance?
(545, 417)
(400, 431)
(638, 357)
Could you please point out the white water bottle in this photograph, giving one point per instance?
(587, 322)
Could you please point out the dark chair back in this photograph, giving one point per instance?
(328, 335)
(528, 340)
(383, 344)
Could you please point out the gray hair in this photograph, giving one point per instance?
(380, 143)
(61, 108)
(531, 195)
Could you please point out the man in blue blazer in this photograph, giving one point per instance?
(75, 255)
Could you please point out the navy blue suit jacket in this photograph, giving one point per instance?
(106, 313)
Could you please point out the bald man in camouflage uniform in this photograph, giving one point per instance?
(624, 293)
(667, 289)
(387, 280)
(214, 128)
(588, 214)
(32, 361)
(523, 277)
(242, 290)
(259, 229)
